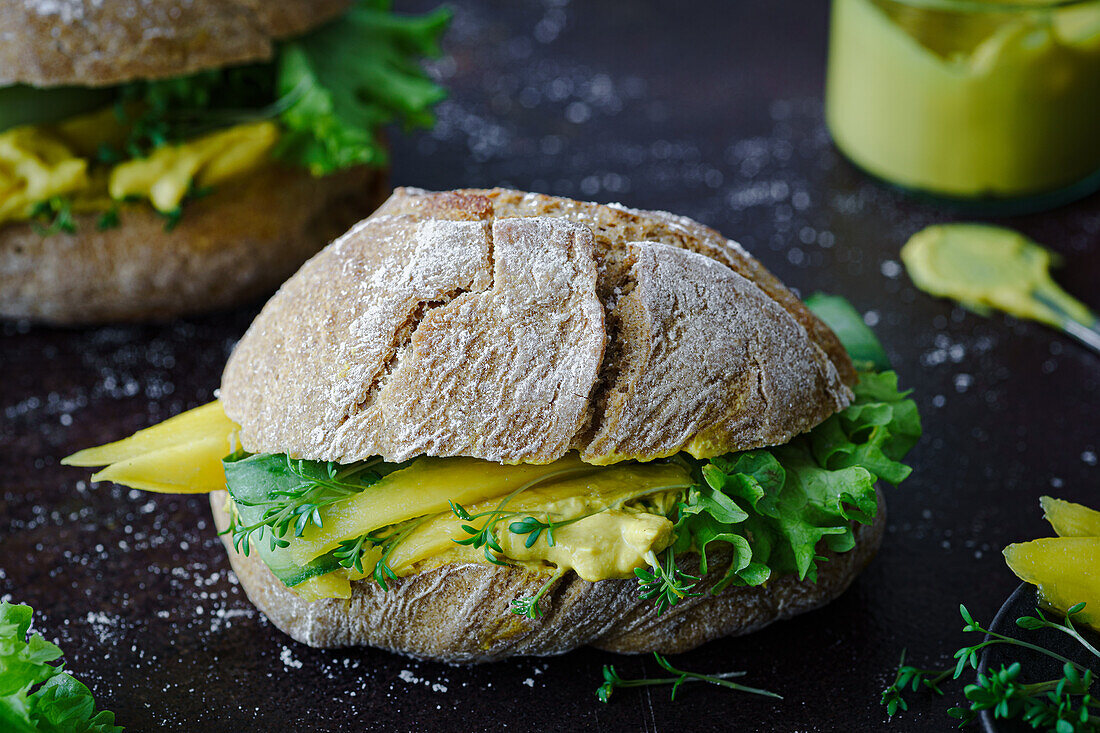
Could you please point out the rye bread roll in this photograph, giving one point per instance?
(233, 245)
(515, 327)
(106, 42)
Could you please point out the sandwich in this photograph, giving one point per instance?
(487, 423)
(170, 157)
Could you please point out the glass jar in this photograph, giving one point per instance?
(976, 101)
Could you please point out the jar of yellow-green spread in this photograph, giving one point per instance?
(969, 99)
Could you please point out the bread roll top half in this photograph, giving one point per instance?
(106, 42)
(515, 327)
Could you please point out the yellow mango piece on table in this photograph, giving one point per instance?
(424, 487)
(208, 421)
(188, 468)
(1066, 570)
(182, 455)
(1069, 519)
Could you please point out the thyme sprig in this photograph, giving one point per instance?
(612, 681)
(1064, 705)
(294, 510)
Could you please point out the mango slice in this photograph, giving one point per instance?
(189, 468)
(331, 585)
(1066, 570)
(1069, 519)
(422, 488)
(561, 499)
(197, 424)
(182, 455)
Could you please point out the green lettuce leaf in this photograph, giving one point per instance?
(332, 90)
(858, 339)
(350, 78)
(36, 695)
(772, 507)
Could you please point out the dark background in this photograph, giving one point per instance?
(709, 109)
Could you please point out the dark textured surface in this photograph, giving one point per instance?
(709, 109)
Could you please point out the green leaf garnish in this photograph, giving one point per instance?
(331, 90)
(36, 696)
(858, 340)
(771, 507)
(52, 216)
(1063, 705)
(352, 77)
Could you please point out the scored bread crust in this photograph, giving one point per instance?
(515, 327)
(230, 246)
(107, 42)
(462, 612)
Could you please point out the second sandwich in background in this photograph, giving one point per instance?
(165, 157)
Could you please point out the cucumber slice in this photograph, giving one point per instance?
(279, 559)
(254, 479)
(25, 105)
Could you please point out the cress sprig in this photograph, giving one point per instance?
(349, 553)
(529, 605)
(612, 681)
(52, 216)
(664, 583)
(1063, 705)
(485, 537)
(294, 510)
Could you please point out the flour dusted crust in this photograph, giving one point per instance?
(514, 327)
(106, 42)
(461, 613)
(233, 245)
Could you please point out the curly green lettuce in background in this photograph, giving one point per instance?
(36, 696)
(331, 91)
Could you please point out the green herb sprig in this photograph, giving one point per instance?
(304, 489)
(331, 91)
(349, 553)
(612, 681)
(529, 605)
(52, 216)
(1063, 705)
(664, 583)
(485, 538)
(109, 219)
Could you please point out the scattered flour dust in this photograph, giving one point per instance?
(288, 659)
(409, 677)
